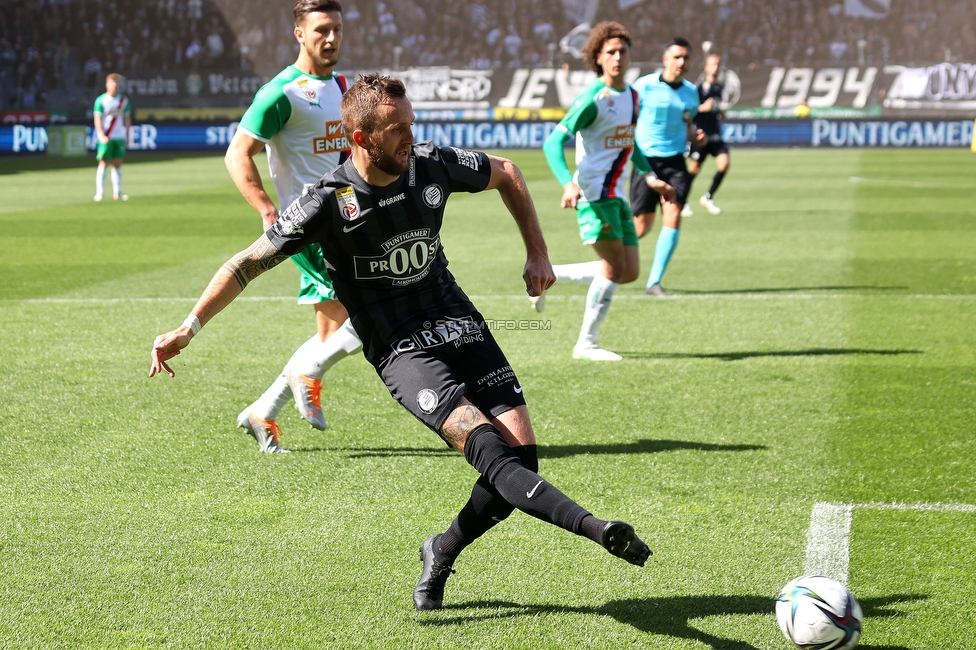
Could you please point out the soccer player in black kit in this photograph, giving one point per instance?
(377, 218)
(710, 91)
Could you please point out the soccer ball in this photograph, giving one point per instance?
(819, 613)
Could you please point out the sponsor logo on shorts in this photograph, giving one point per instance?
(433, 195)
(427, 400)
(453, 331)
(501, 376)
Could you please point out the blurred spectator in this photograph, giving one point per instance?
(92, 71)
(43, 42)
(215, 43)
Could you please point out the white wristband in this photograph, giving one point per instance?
(193, 323)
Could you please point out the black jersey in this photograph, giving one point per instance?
(708, 121)
(382, 244)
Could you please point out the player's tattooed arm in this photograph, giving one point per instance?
(259, 257)
(461, 422)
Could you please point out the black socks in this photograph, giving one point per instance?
(716, 181)
(509, 480)
(484, 509)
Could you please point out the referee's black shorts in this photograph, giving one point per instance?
(673, 171)
(714, 147)
(430, 370)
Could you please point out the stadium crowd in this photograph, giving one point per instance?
(46, 45)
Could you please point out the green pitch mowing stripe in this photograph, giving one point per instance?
(819, 350)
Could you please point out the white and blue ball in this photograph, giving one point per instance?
(817, 613)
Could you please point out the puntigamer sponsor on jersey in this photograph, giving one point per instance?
(406, 258)
(622, 138)
(334, 140)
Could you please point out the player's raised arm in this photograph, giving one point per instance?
(227, 283)
(507, 179)
(239, 161)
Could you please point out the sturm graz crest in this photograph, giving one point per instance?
(427, 400)
(433, 195)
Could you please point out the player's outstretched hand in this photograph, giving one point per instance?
(538, 275)
(167, 346)
(701, 139)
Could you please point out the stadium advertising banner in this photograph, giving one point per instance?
(495, 134)
(764, 92)
(946, 87)
(215, 88)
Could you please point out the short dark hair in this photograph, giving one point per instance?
(600, 34)
(360, 103)
(680, 42)
(305, 7)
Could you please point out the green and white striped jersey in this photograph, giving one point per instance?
(113, 111)
(604, 118)
(298, 116)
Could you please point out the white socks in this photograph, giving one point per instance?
(598, 300)
(99, 180)
(583, 272)
(116, 181)
(313, 358)
(269, 405)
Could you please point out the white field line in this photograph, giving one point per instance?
(900, 183)
(829, 535)
(828, 541)
(486, 298)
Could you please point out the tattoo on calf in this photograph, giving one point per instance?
(259, 257)
(460, 423)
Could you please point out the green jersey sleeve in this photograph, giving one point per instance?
(128, 106)
(268, 113)
(554, 148)
(640, 161)
(581, 114)
(98, 110)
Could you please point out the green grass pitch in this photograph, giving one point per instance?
(819, 356)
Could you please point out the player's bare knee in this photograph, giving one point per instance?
(629, 275)
(515, 426)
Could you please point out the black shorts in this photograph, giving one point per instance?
(671, 170)
(712, 148)
(430, 370)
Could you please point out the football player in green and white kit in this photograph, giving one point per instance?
(296, 117)
(113, 118)
(604, 116)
